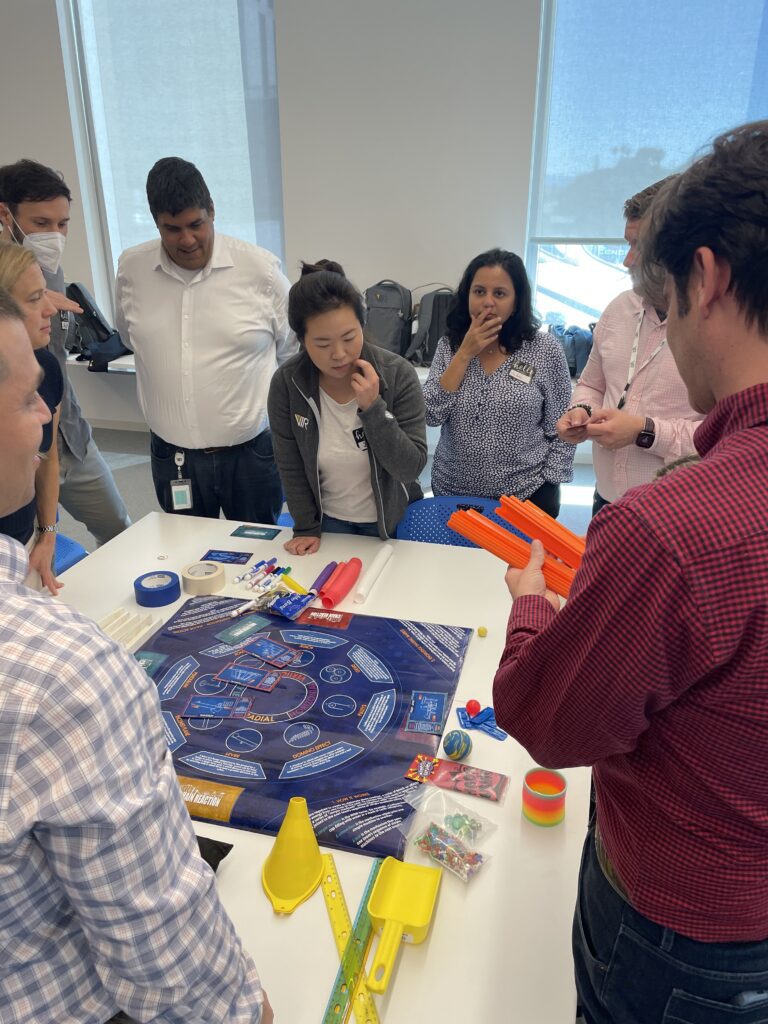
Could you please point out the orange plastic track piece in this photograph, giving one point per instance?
(535, 523)
(511, 549)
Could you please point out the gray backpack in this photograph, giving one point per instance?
(389, 315)
(432, 315)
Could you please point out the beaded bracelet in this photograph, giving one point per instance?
(581, 405)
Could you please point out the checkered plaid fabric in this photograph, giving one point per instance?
(656, 673)
(104, 900)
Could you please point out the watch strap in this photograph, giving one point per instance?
(647, 436)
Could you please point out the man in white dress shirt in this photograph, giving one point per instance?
(205, 315)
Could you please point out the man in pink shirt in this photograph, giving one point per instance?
(630, 400)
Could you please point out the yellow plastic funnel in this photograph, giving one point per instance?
(293, 869)
(401, 904)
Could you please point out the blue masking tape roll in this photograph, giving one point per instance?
(154, 589)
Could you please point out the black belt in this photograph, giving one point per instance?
(223, 448)
(212, 451)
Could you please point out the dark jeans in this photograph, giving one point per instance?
(242, 482)
(331, 525)
(598, 502)
(547, 498)
(630, 970)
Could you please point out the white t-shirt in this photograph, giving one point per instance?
(342, 459)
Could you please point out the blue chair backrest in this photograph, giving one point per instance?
(427, 520)
(68, 553)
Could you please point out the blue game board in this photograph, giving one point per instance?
(332, 707)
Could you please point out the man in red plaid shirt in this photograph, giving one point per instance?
(655, 672)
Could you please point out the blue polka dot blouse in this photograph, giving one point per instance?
(498, 431)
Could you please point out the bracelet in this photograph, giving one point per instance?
(48, 529)
(581, 405)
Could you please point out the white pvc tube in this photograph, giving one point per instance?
(368, 579)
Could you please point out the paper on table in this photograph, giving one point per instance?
(365, 586)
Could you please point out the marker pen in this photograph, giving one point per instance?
(269, 583)
(249, 572)
(289, 582)
(241, 609)
(268, 570)
(259, 568)
(324, 575)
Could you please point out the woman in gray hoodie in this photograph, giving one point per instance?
(347, 418)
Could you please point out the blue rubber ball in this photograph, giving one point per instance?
(456, 744)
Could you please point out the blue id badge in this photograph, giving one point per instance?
(181, 495)
(181, 488)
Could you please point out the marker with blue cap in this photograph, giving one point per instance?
(265, 570)
(249, 572)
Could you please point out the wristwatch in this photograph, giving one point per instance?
(647, 435)
(54, 528)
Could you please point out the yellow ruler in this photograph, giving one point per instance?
(350, 990)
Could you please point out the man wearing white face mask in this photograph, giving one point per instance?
(34, 212)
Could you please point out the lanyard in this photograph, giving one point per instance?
(633, 361)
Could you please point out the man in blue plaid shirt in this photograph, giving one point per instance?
(105, 904)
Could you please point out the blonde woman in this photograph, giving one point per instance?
(35, 524)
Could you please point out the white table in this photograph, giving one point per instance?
(499, 947)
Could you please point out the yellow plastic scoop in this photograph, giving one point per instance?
(400, 905)
(294, 867)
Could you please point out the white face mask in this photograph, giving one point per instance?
(47, 247)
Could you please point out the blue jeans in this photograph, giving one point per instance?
(331, 525)
(630, 970)
(242, 482)
(598, 502)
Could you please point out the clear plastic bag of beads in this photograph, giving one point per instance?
(450, 834)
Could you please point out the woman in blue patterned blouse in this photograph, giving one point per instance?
(496, 388)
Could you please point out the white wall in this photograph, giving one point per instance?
(405, 128)
(406, 132)
(34, 112)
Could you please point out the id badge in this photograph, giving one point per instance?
(181, 488)
(181, 495)
(522, 371)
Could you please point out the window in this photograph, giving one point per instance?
(628, 93)
(186, 78)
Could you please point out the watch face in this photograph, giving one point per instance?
(644, 439)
